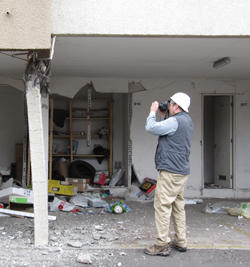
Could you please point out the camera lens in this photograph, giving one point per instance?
(163, 106)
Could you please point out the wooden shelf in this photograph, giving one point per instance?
(60, 155)
(79, 155)
(90, 118)
(61, 136)
(106, 116)
(88, 156)
(78, 136)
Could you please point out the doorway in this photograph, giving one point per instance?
(218, 141)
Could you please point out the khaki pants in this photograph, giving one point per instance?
(169, 199)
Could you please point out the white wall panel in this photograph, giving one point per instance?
(145, 17)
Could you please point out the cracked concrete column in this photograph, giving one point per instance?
(38, 166)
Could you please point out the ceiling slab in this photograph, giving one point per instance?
(143, 57)
(151, 57)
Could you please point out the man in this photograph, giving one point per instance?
(172, 164)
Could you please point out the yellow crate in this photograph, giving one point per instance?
(57, 187)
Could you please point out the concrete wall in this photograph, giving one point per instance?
(25, 24)
(143, 155)
(145, 17)
(11, 122)
(160, 90)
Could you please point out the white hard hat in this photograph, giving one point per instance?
(181, 99)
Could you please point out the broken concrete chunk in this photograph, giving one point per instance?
(99, 227)
(75, 244)
(84, 258)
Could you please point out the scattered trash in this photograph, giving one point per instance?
(60, 188)
(117, 176)
(120, 192)
(148, 186)
(220, 207)
(80, 184)
(134, 193)
(101, 179)
(118, 207)
(96, 201)
(193, 201)
(7, 184)
(5, 171)
(243, 210)
(79, 200)
(62, 205)
(5, 193)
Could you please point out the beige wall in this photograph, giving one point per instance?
(25, 24)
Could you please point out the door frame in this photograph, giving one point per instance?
(233, 123)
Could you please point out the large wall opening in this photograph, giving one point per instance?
(217, 137)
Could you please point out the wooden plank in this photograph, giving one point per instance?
(61, 136)
(91, 118)
(88, 156)
(24, 214)
(60, 155)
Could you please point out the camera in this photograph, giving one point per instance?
(163, 106)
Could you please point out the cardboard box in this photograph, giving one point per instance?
(80, 184)
(10, 191)
(60, 188)
(20, 200)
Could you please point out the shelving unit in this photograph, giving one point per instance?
(74, 135)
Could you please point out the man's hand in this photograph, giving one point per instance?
(154, 106)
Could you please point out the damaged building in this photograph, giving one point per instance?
(77, 80)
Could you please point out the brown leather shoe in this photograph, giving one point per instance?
(176, 247)
(158, 250)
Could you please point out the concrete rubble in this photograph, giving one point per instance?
(99, 237)
(91, 235)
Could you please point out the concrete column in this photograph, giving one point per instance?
(38, 166)
(45, 116)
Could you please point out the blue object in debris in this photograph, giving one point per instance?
(118, 207)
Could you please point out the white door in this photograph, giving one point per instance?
(223, 141)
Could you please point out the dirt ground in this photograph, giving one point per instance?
(107, 239)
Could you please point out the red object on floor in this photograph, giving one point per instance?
(102, 179)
